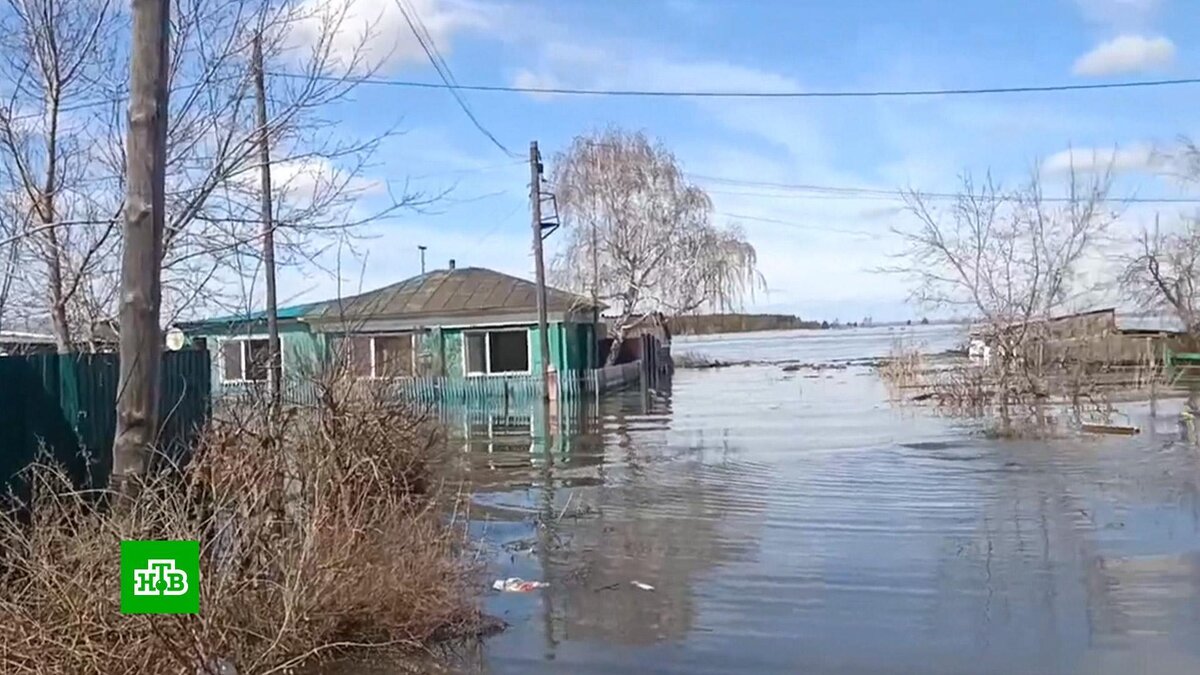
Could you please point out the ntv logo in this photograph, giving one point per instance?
(160, 577)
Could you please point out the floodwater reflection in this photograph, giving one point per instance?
(792, 523)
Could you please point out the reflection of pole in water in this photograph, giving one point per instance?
(543, 444)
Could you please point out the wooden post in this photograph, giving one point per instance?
(1152, 367)
(535, 198)
(274, 359)
(140, 340)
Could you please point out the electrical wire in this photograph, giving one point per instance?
(417, 26)
(657, 93)
(811, 191)
(799, 226)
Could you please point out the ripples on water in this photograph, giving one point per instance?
(793, 523)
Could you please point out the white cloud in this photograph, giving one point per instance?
(307, 179)
(1138, 157)
(302, 183)
(1126, 54)
(377, 33)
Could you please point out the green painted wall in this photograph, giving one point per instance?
(439, 350)
(452, 351)
(303, 352)
(567, 350)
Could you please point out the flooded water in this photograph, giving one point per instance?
(794, 522)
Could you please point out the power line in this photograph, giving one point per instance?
(569, 91)
(443, 70)
(879, 93)
(812, 191)
(799, 226)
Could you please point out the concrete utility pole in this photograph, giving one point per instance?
(535, 200)
(422, 250)
(140, 341)
(274, 360)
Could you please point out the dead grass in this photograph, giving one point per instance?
(318, 536)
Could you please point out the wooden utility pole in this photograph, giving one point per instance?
(274, 361)
(141, 259)
(595, 297)
(535, 199)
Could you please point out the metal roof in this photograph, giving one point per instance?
(464, 291)
(290, 312)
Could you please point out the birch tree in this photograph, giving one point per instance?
(640, 236)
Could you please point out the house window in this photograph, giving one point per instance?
(393, 355)
(379, 355)
(497, 351)
(245, 360)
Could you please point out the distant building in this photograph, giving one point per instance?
(1100, 335)
(457, 324)
(20, 342)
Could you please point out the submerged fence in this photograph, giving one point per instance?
(66, 404)
(493, 390)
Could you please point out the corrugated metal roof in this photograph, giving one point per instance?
(463, 291)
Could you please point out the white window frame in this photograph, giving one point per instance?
(412, 355)
(244, 339)
(487, 352)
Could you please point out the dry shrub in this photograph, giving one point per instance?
(1029, 397)
(902, 368)
(321, 534)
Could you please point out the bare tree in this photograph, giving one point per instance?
(640, 237)
(1011, 258)
(62, 159)
(1161, 270)
(141, 262)
(54, 57)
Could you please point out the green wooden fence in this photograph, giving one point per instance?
(66, 403)
(493, 390)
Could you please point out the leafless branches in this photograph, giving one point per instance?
(1160, 271)
(1006, 256)
(62, 161)
(361, 556)
(54, 55)
(1010, 258)
(640, 237)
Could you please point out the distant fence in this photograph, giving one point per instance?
(614, 377)
(491, 389)
(67, 404)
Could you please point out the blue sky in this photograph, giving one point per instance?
(817, 253)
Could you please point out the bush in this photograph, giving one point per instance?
(321, 534)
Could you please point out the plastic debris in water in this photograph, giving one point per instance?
(517, 585)
(644, 587)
